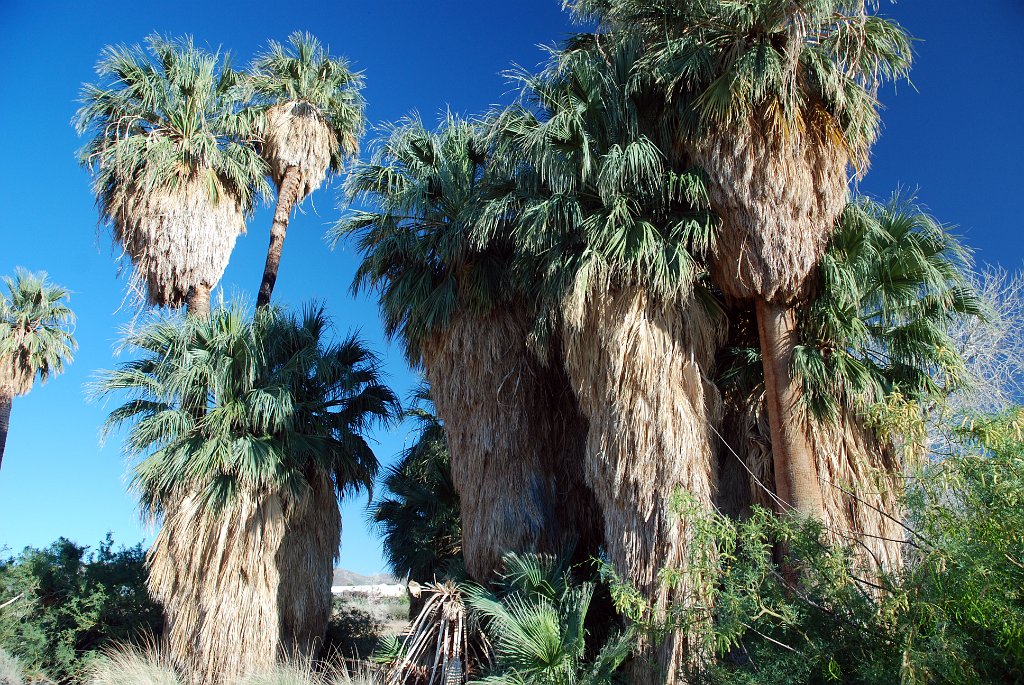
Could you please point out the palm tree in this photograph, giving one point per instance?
(250, 428)
(419, 516)
(536, 621)
(894, 283)
(313, 115)
(777, 101)
(614, 235)
(174, 170)
(35, 338)
(513, 432)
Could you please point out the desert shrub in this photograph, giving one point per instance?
(66, 603)
(954, 614)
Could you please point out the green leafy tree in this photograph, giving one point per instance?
(312, 117)
(174, 169)
(249, 429)
(776, 100)
(62, 605)
(36, 340)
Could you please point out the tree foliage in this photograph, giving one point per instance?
(63, 604)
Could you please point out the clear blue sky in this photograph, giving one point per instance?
(957, 137)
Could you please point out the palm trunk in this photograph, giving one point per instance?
(639, 370)
(796, 478)
(6, 401)
(198, 301)
(516, 443)
(287, 196)
(243, 587)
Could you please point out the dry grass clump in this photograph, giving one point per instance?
(516, 442)
(10, 669)
(641, 373)
(778, 198)
(178, 238)
(151, 665)
(296, 134)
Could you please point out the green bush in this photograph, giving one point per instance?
(955, 614)
(66, 603)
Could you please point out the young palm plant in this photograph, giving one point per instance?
(893, 285)
(250, 428)
(777, 101)
(313, 115)
(514, 436)
(174, 170)
(418, 516)
(536, 622)
(614, 236)
(36, 341)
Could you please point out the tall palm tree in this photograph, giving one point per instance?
(313, 115)
(250, 428)
(893, 284)
(513, 431)
(418, 515)
(614, 235)
(174, 170)
(777, 101)
(35, 338)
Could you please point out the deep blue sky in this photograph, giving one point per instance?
(957, 137)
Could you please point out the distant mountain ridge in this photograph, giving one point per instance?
(345, 577)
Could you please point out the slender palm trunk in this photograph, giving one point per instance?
(287, 196)
(640, 371)
(198, 301)
(796, 477)
(6, 400)
(516, 441)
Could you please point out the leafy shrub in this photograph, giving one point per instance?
(954, 614)
(67, 603)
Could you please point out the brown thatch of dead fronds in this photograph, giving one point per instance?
(296, 134)
(178, 238)
(640, 370)
(516, 441)
(444, 644)
(778, 197)
(228, 581)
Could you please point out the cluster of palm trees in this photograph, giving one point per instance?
(649, 276)
(248, 425)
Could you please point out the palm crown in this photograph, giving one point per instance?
(314, 109)
(427, 190)
(788, 66)
(174, 168)
(35, 331)
(261, 404)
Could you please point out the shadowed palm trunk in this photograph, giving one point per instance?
(287, 196)
(796, 477)
(639, 370)
(198, 301)
(6, 400)
(516, 443)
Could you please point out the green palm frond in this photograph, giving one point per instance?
(259, 403)
(426, 190)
